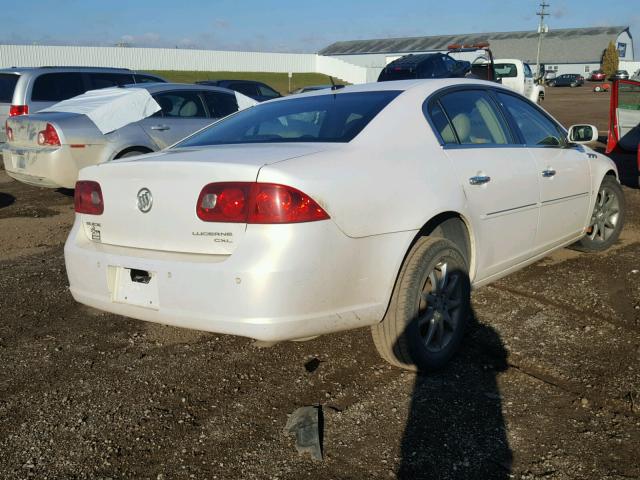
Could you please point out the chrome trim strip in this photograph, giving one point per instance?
(513, 209)
(576, 195)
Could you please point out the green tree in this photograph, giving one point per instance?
(610, 60)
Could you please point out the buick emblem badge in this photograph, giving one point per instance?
(145, 200)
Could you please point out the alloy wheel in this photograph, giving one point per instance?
(440, 305)
(604, 218)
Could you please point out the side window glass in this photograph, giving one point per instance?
(247, 89)
(527, 71)
(146, 79)
(105, 80)
(267, 92)
(441, 123)
(220, 104)
(629, 96)
(180, 105)
(474, 118)
(54, 87)
(535, 127)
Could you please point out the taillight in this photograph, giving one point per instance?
(9, 131)
(250, 202)
(48, 136)
(88, 198)
(15, 110)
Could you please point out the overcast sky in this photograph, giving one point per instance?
(287, 25)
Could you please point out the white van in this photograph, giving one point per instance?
(517, 75)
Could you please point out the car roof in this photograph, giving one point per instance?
(65, 69)
(158, 87)
(428, 86)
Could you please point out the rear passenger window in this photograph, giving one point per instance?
(8, 83)
(147, 79)
(267, 92)
(534, 126)
(248, 89)
(105, 80)
(442, 125)
(180, 105)
(220, 104)
(473, 118)
(53, 87)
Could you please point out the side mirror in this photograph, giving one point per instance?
(583, 133)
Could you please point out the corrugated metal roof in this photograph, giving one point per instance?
(568, 45)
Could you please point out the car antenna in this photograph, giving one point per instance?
(333, 84)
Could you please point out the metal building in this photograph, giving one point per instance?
(569, 50)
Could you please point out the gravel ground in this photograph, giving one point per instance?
(547, 384)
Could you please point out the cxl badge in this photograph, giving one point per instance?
(145, 200)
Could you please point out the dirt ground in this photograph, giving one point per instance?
(547, 384)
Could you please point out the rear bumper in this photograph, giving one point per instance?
(282, 281)
(42, 167)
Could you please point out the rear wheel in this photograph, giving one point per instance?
(429, 308)
(607, 218)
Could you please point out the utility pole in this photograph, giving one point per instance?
(542, 29)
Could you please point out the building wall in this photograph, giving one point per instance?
(624, 39)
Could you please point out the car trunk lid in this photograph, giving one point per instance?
(172, 181)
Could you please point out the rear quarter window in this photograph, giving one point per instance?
(8, 83)
(54, 87)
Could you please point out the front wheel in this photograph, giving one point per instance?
(607, 218)
(429, 309)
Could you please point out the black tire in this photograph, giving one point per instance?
(415, 333)
(607, 218)
(552, 84)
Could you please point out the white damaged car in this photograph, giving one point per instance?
(375, 205)
(49, 147)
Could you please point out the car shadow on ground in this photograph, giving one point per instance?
(6, 200)
(455, 427)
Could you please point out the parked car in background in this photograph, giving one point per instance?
(313, 88)
(619, 75)
(597, 76)
(517, 75)
(427, 65)
(27, 90)
(300, 217)
(47, 149)
(259, 91)
(567, 80)
(549, 75)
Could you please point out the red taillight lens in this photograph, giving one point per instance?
(8, 131)
(250, 202)
(88, 198)
(281, 204)
(15, 110)
(48, 136)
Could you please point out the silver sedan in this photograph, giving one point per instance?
(48, 149)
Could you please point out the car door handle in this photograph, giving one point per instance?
(160, 127)
(479, 180)
(548, 173)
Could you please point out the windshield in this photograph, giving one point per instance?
(322, 118)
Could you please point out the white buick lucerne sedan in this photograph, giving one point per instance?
(375, 205)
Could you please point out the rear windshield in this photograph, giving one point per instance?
(397, 73)
(324, 118)
(7, 86)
